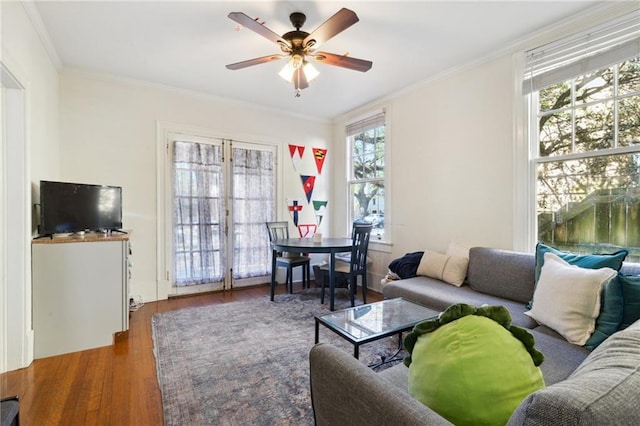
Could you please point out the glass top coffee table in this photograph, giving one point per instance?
(366, 323)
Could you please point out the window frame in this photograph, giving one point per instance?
(377, 240)
(532, 115)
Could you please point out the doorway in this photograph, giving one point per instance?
(222, 193)
(15, 228)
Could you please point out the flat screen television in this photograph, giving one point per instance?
(74, 207)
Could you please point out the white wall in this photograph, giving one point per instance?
(108, 136)
(25, 55)
(451, 162)
(25, 58)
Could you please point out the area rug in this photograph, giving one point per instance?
(247, 362)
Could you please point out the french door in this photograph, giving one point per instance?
(223, 192)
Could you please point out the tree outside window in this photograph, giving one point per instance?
(366, 141)
(588, 162)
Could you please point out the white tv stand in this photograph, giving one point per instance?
(80, 292)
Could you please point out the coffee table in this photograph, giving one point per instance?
(367, 323)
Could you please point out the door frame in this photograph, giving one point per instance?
(164, 131)
(15, 223)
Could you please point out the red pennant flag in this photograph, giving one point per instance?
(296, 152)
(307, 230)
(319, 154)
(308, 182)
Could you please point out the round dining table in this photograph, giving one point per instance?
(330, 246)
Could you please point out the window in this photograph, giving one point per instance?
(584, 102)
(366, 174)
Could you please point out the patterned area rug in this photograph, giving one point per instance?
(245, 363)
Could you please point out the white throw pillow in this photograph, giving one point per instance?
(450, 269)
(567, 298)
(458, 250)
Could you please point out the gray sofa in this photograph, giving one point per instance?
(582, 387)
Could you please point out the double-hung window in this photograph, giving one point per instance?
(584, 133)
(366, 172)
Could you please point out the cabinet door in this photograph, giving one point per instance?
(77, 295)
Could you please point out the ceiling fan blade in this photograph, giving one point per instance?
(248, 22)
(255, 61)
(300, 79)
(339, 22)
(343, 61)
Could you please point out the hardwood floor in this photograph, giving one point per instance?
(112, 385)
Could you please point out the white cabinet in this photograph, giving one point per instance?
(80, 293)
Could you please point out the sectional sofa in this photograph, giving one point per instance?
(582, 387)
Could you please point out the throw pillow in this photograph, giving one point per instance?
(567, 298)
(471, 365)
(457, 249)
(590, 261)
(631, 300)
(450, 269)
(611, 308)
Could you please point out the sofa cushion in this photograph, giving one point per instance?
(567, 298)
(600, 391)
(501, 273)
(448, 268)
(561, 358)
(439, 295)
(630, 287)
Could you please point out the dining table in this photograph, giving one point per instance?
(329, 246)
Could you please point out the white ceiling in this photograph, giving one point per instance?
(186, 45)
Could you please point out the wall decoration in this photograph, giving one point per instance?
(319, 208)
(307, 230)
(294, 206)
(296, 152)
(308, 182)
(319, 154)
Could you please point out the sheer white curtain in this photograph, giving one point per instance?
(199, 207)
(253, 198)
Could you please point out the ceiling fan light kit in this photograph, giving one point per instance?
(299, 45)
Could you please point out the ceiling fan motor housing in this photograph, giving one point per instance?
(297, 19)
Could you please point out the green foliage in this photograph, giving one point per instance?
(368, 165)
(594, 112)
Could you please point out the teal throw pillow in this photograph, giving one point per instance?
(589, 261)
(610, 318)
(631, 297)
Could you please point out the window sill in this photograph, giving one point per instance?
(382, 246)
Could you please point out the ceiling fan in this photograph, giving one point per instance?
(299, 46)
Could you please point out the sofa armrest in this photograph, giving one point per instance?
(345, 391)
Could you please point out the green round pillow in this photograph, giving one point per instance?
(471, 369)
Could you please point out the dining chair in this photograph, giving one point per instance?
(278, 231)
(356, 266)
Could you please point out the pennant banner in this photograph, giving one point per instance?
(308, 182)
(296, 152)
(294, 206)
(319, 207)
(307, 230)
(319, 154)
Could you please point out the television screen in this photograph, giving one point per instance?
(74, 207)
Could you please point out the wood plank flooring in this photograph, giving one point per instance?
(112, 385)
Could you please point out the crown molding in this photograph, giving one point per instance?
(38, 25)
(113, 78)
